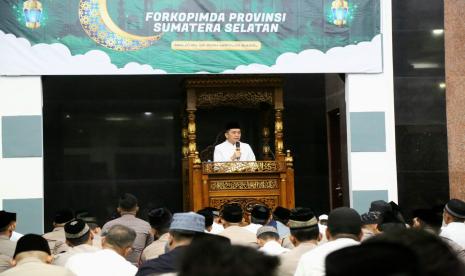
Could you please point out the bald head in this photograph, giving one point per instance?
(120, 237)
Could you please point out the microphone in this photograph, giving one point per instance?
(238, 148)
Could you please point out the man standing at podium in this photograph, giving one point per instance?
(232, 149)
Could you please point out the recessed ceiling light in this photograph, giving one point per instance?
(438, 32)
(117, 119)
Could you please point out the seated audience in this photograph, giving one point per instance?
(344, 229)
(454, 218)
(281, 217)
(370, 222)
(117, 244)
(78, 238)
(95, 229)
(96, 233)
(217, 226)
(322, 225)
(231, 217)
(436, 258)
(304, 236)
(33, 257)
(56, 239)
(380, 258)
(7, 246)
(268, 241)
(427, 220)
(128, 208)
(160, 220)
(391, 218)
(220, 258)
(208, 215)
(259, 216)
(183, 229)
(430, 220)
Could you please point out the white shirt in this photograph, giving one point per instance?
(253, 227)
(455, 231)
(62, 259)
(312, 263)
(16, 236)
(216, 228)
(103, 262)
(225, 150)
(273, 248)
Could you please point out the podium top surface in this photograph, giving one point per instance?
(243, 167)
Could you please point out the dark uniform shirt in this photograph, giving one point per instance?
(165, 263)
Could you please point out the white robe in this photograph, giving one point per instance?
(225, 150)
(273, 248)
(102, 262)
(455, 231)
(312, 263)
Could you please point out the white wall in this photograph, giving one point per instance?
(375, 93)
(20, 178)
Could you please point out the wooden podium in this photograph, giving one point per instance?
(269, 182)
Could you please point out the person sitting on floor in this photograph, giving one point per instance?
(7, 246)
(78, 238)
(160, 220)
(305, 235)
(231, 217)
(183, 229)
(344, 229)
(117, 244)
(268, 240)
(33, 257)
(259, 216)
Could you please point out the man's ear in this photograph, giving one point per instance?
(360, 236)
(137, 209)
(118, 210)
(328, 235)
(12, 226)
(49, 259)
(170, 238)
(103, 241)
(127, 250)
(292, 239)
(13, 262)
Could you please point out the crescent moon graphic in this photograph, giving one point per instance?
(97, 23)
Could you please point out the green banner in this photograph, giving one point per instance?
(54, 37)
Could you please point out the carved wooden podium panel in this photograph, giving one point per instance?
(248, 183)
(268, 182)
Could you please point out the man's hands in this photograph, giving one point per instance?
(236, 156)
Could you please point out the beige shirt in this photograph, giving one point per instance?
(7, 247)
(143, 235)
(286, 243)
(57, 240)
(240, 236)
(33, 266)
(4, 262)
(7, 250)
(290, 260)
(155, 249)
(62, 258)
